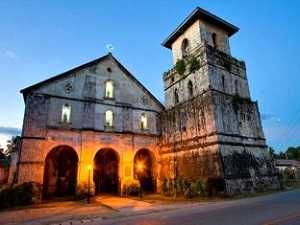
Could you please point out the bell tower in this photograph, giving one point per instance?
(211, 128)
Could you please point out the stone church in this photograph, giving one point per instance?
(97, 123)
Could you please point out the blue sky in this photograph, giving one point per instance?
(42, 38)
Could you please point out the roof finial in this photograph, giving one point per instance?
(110, 47)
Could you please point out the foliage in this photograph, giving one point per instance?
(227, 63)
(180, 66)
(183, 187)
(132, 187)
(11, 145)
(27, 193)
(288, 174)
(194, 64)
(4, 158)
(82, 191)
(290, 153)
(5, 155)
(293, 153)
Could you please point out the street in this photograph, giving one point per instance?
(280, 209)
(274, 209)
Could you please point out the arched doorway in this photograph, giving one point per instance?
(105, 174)
(143, 170)
(60, 173)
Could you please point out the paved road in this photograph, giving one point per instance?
(277, 209)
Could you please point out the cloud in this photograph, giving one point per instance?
(11, 55)
(13, 131)
(269, 116)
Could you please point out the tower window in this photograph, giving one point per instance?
(109, 118)
(236, 87)
(144, 121)
(223, 83)
(176, 97)
(109, 89)
(66, 113)
(190, 88)
(184, 47)
(214, 39)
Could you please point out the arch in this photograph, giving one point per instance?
(66, 113)
(214, 40)
(184, 47)
(109, 89)
(60, 172)
(190, 88)
(144, 162)
(176, 97)
(106, 171)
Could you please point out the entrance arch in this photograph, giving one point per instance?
(106, 172)
(60, 172)
(143, 169)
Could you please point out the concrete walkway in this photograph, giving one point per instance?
(78, 212)
(124, 204)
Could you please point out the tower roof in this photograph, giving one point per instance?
(199, 14)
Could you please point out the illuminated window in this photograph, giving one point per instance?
(109, 89)
(144, 121)
(66, 113)
(109, 118)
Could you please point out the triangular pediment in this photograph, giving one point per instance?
(88, 82)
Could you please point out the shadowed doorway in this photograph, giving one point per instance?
(60, 173)
(105, 174)
(143, 167)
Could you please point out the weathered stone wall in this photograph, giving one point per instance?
(86, 144)
(198, 33)
(217, 71)
(198, 163)
(83, 90)
(222, 41)
(188, 120)
(236, 116)
(219, 122)
(192, 34)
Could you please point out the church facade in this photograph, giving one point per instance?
(98, 124)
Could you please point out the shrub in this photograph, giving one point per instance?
(194, 64)
(180, 66)
(81, 191)
(132, 187)
(164, 187)
(27, 193)
(198, 188)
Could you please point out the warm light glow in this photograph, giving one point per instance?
(140, 166)
(89, 167)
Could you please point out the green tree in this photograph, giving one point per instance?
(272, 153)
(2, 155)
(293, 153)
(11, 145)
(281, 155)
